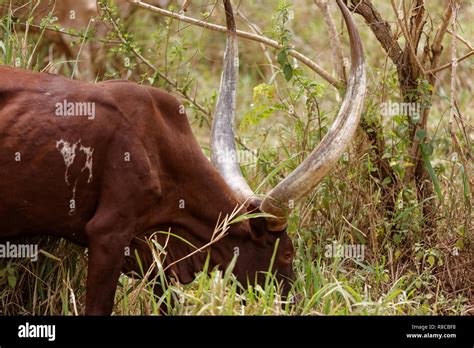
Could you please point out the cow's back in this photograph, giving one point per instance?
(55, 137)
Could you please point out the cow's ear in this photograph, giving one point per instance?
(258, 224)
(253, 205)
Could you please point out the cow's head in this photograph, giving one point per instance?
(265, 231)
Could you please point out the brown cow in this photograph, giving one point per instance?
(105, 165)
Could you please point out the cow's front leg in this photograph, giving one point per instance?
(106, 259)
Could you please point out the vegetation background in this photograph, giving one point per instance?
(418, 248)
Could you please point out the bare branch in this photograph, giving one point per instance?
(256, 30)
(334, 41)
(454, 65)
(145, 61)
(67, 33)
(448, 65)
(463, 40)
(437, 47)
(245, 35)
(408, 39)
(380, 28)
(454, 112)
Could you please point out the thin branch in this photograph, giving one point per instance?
(172, 83)
(463, 40)
(454, 112)
(437, 47)
(256, 30)
(408, 38)
(448, 65)
(454, 65)
(334, 41)
(442, 30)
(64, 32)
(245, 35)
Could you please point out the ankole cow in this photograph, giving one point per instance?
(106, 165)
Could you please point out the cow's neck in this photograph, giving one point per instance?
(193, 203)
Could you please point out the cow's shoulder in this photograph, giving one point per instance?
(167, 103)
(131, 92)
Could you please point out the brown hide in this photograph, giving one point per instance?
(128, 171)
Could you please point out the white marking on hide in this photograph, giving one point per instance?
(89, 152)
(68, 151)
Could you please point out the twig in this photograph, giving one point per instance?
(454, 65)
(63, 32)
(448, 65)
(172, 83)
(334, 41)
(246, 35)
(258, 31)
(436, 47)
(74, 70)
(463, 40)
(454, 112)
(408, 38)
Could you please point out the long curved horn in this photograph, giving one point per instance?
(223, 152)
(312, 170)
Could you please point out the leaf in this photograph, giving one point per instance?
(177, 237)
(11, 281)
(387, 180)
(244, 217)
(257, 114)
(431, 260)
(51, 256)
(397, 238)
(282, 58)
(288, 72)
(427, 149)
(398, 253)
(466, 188)
(276, 170)
(430, 170)
(263, 94)
(420, 134)
(393, 163)
(415, 118)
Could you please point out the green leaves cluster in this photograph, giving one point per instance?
(283, 35)
(262, 107)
